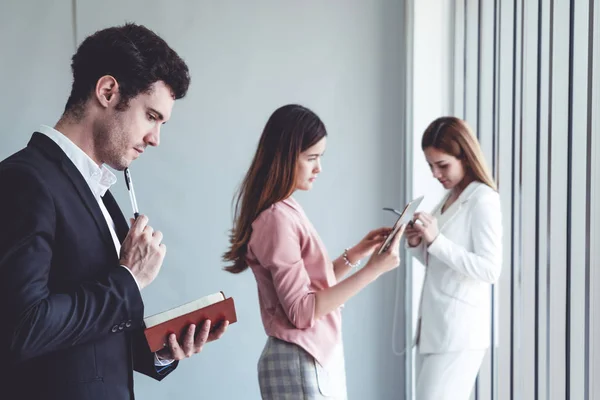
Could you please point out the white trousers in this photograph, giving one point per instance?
(447, 376)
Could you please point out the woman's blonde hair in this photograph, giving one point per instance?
(454, 136)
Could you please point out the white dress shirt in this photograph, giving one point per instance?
(99, 179)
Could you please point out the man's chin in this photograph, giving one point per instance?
(120, 165)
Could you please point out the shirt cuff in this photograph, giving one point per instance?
(161, 363)
(136, 282)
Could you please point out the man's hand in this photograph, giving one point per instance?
(190, 346)
(142, 251)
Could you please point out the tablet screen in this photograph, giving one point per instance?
(405, 217)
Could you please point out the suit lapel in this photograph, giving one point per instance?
(451, 212)
(118, 218)
(47, 145)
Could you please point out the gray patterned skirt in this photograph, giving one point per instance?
(288, 372)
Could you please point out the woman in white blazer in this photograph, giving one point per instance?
(460, 243)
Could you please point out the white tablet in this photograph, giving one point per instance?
(405, 217)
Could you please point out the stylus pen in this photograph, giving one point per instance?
(393, 210)
(410, 223)
(129, 184)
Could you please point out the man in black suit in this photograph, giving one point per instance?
(71, 269)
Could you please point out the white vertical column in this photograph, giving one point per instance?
(594, 249)
(578, 137)
(430, 97)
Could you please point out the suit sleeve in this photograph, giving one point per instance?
(143, 359)
(37, 321)
(485, 262)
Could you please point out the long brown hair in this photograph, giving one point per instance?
(454, 136)
(290, 130)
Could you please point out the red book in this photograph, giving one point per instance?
(214, 307)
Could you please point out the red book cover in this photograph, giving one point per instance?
(214, 307)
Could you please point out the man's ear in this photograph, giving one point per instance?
(107, 91)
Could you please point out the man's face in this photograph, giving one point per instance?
(121, 136)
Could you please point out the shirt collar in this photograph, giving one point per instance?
(99, 179)
(291, 202)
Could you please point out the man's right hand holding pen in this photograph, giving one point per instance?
(142, 251)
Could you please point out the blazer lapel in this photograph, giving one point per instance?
(121, 225)
(451, 212)
(47, 145)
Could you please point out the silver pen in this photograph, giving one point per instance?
(129, 184)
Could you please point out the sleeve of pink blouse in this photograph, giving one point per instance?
(276, 246)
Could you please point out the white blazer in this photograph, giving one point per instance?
(462, 264)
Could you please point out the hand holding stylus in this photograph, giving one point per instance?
(413, 235)
(427, 228)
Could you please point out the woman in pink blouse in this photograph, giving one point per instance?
(300, 289)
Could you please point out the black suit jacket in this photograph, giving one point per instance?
(71, 317)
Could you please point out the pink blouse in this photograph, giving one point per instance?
(290, 264)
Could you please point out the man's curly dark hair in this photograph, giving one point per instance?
(135, 56)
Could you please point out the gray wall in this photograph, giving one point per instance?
(344, 61)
